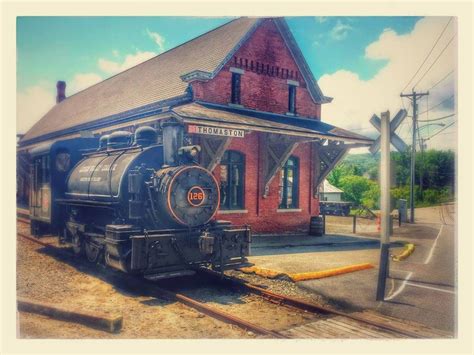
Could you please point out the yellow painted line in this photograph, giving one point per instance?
(409, 249)
(272, 274)
(330, 272)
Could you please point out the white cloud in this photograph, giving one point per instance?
(113, 67)
(33, 103)
(82, 81)
(340, 31)
(355, 100)
(321, 19)
(158, 39)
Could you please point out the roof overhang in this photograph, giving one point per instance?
(207, 114)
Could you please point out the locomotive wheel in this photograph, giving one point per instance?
(92, 252)
(78, 244)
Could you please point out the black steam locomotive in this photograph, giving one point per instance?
(138, 206)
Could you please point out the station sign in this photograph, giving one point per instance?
(216, 131)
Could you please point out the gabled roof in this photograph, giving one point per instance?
(327, 188)
(159, 82)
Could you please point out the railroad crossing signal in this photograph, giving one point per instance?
(397, 142)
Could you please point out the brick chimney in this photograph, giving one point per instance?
(61, 91)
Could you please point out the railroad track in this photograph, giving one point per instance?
(328, 322)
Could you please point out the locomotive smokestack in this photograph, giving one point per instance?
(172, 141)
(61, 91)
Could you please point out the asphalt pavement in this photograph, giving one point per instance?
(421, 288)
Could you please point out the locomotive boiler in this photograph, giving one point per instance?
(143, 207)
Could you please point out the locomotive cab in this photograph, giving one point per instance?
(51, 163)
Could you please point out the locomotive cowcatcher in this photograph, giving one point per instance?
(139, 206)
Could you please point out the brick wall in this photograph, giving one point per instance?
(268, 64)
(262, 213)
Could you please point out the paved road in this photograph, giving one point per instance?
(420, 288)
(426, 285)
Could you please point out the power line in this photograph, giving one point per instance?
(431, 50)
(439, 81)
(431, 66)
(438, 119)
(439, 103)
(441, 130)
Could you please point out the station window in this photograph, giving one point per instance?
(235, 90)
(292, 99)
(289, 186)
(232, 170)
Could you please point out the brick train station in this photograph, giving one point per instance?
(245, 94)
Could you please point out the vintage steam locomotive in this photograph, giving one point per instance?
(138, 206)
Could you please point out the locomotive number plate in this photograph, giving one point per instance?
(196, 196)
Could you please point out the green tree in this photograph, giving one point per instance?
(354, 188)
(343, 169)
(401, 165)
(371, 197)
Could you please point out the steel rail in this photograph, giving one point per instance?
(199, 306)
(217, 314)
(300, 304)
(23, 220)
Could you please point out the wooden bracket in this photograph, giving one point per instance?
(326, 157)
(212, 151)
(276, 151)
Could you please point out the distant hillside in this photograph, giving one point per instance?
(364, 162)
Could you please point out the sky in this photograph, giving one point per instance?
(364, 63)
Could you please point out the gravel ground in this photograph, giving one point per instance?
(246, 306)
(42, 277)
(75, 284)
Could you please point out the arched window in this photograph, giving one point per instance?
(232, 180)
(289, 187)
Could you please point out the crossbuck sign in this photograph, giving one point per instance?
(397, 142)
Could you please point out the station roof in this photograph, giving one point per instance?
(154, 80)
(158, 82)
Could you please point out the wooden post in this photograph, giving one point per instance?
(354, 222)
(324, 224)
(105, 322)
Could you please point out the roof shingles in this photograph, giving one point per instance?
(155, 80)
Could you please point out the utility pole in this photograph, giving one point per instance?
(422, 150)
(414, 96)
(384, 204)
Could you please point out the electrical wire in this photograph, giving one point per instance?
(427, 56)
(441, 130)
(431, 66)
(439, 81)
(439, 103)
(438, 119)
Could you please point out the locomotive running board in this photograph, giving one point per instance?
(168, 275)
